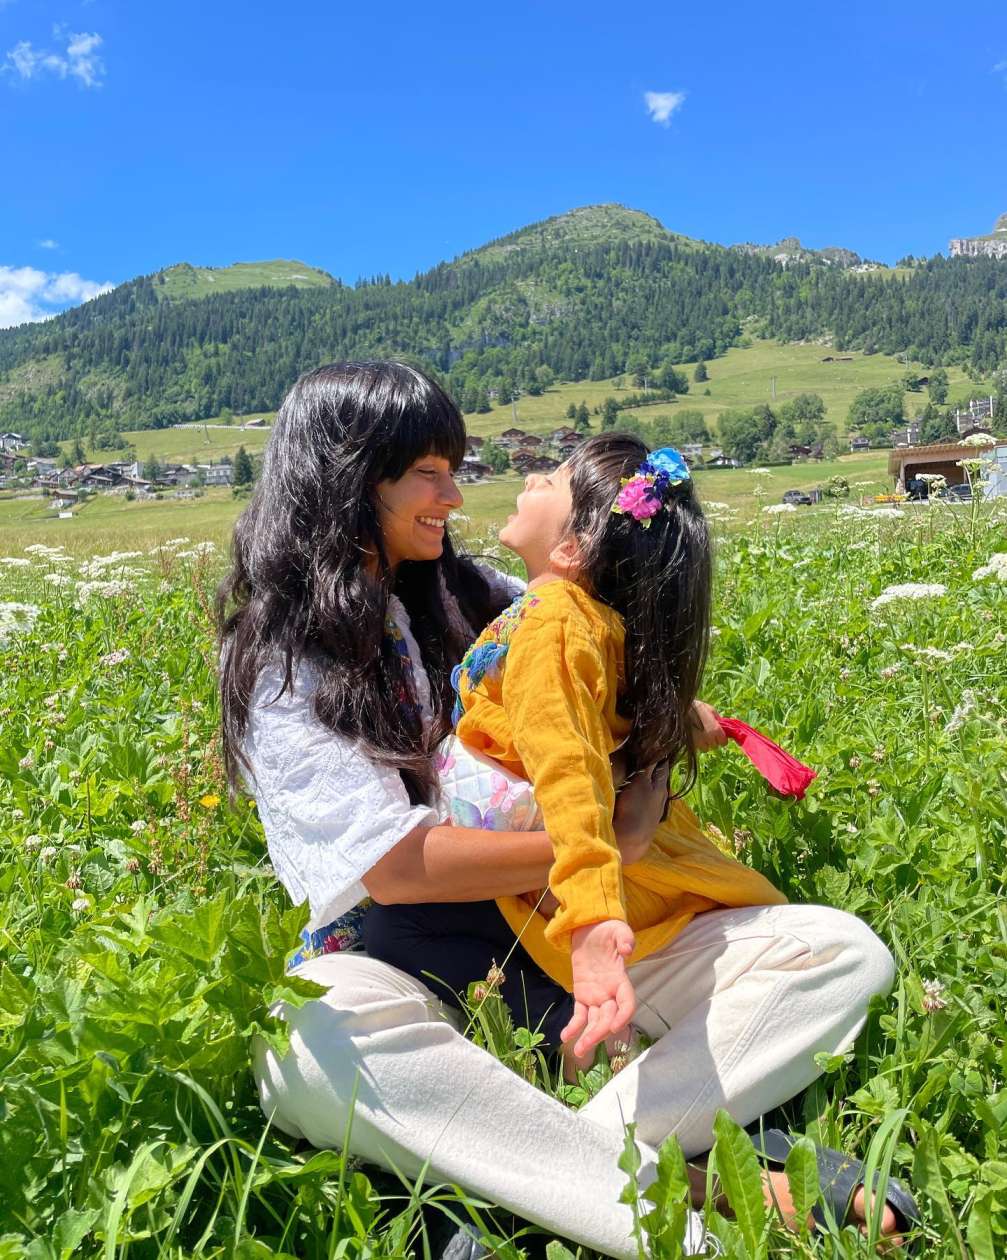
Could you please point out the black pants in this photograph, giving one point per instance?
(448, 945)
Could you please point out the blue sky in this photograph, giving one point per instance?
(379, 137)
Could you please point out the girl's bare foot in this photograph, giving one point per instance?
(776, 1191)
(777, 1194)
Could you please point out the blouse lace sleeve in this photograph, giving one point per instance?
(329, 813)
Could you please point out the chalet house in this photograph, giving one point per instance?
(527, 462)
(530, 440)
(510, 439)
(58, 478)
(217, 474)
(566, 449)
(256, 423)
(98, 477)
(909, 436)
(473, 470)
(12, 443)
(905, 463)
(177, 475)
(692, 452)
(564, 434)
(860, 444)
(473, 444)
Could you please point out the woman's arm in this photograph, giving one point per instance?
(446, 863)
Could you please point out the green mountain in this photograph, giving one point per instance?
(183, 281)
(590, 294)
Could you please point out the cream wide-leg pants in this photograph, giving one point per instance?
(741, 1001)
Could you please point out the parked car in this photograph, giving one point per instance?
(797, 497)
(957, 494)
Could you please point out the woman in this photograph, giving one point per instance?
(349, 609)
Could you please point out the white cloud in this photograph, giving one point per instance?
(28, 295)
(77, 59)
(48, 243)
(1001, 68)
(661, 105)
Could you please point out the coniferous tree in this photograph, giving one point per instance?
(242, 473)
(701, 373)
(582, 419)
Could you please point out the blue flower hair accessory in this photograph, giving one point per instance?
(645, 493)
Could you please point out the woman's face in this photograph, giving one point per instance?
(413, 511)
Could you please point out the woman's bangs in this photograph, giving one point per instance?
(432, 425)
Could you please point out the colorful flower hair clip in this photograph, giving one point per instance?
(645, 493)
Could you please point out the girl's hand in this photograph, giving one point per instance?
(639, 807)
(708, 733)
(603, 997)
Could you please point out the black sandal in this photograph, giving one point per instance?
(840, 1176)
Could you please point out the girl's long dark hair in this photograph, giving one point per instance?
(659, 579)
(301, 585)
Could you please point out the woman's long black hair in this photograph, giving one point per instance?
(303, 580)
(659, 579)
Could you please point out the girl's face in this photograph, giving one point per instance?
(539, 524)
(413, 510)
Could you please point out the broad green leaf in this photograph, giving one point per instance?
(802, 1177)
(741, 1176)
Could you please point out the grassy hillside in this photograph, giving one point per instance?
(740, 378)
(184, 281)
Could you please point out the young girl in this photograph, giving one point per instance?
(601, 655)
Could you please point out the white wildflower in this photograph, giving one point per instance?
(58, 580)
(927, 653)
(15, 562)
(32, 842)
(17, 619)
(887, 513)
(963, 711)
(174, 542)
(774, 509)
(909, 590)
(762, 472)
(48, 853)
(80, 905)
(137, 826)
(891, 670)
(978, 439)
(933, 996)
(27, 761)
(17, 814)
(113, 589)
(995, 567)
(40, 549)
(114, 658)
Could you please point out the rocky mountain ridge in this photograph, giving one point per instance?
(994, 245)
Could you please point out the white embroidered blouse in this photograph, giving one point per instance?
(328, 811)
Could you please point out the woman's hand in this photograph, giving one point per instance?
(603, 997)
(707, 731)
(639, 808)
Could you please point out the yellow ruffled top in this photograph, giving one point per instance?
(538, 691)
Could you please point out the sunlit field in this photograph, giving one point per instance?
(145, 937)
